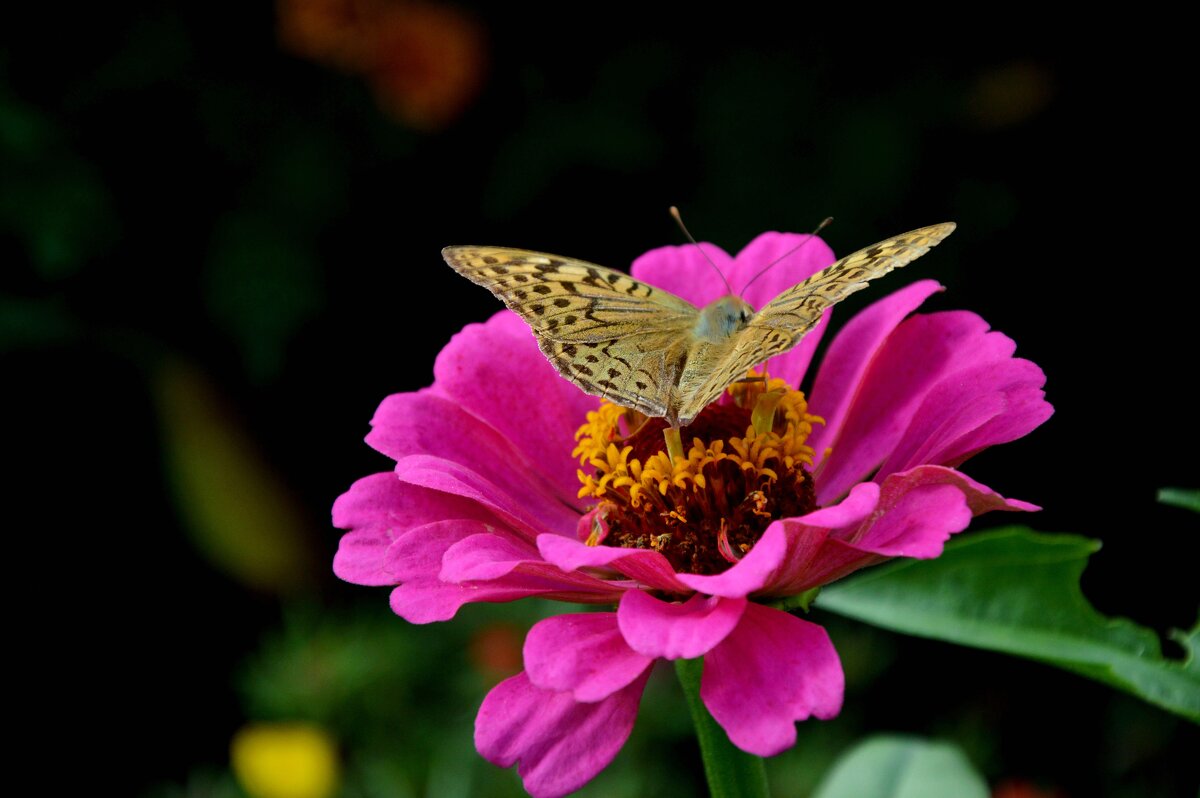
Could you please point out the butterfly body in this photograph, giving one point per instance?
(722, 319)
(644, 348)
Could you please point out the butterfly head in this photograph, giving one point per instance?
(723, 318)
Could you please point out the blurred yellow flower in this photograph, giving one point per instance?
(285, 760)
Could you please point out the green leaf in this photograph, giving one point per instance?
(731, 772)
(889, 766)
(1187, 498)
(1017, 591)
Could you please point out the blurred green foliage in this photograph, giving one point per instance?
(902, 767)
(52, 199)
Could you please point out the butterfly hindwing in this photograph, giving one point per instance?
(636, 371)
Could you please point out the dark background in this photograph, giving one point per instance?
(219, 241)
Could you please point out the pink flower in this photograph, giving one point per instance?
(485, 504)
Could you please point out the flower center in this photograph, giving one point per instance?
(704, 511)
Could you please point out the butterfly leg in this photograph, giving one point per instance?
(674, 443)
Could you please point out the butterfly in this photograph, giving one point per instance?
(644, 348)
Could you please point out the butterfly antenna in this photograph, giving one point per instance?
(790, 252)
(683, 227)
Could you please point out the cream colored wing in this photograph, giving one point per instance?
(611, 335)
(788, 317)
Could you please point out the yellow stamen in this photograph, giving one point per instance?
(746, 464)
(763, 417)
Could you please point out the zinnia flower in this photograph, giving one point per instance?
(511, 482)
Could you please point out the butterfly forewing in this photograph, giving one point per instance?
(790, 316)
(611, 335)
(800, 306)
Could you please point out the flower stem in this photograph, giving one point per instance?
(731, 772)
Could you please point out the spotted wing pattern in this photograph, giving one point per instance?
(788, 317)
(611, 335)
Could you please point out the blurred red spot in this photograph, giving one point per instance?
(496, 651)
(1018, 788)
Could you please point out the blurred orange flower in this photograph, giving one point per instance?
(496, 651)
(425, 61)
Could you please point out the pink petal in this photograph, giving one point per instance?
(378, 509)
(808, 553)
(491, 556)
(795, 268)
(582, 654)
(980, 498)
(430, 599)
(786, 549)
(559, 743)
(773, 670)
(750, 573)
(917, 512)
(913, 521)
(683, 271)
(487, 556)
(922, 352)
(971, 410)
(674, 631)
(496, 372)
(852, 352)
(646, 566)
(524, 513)
(418, 553)
(424, 423)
